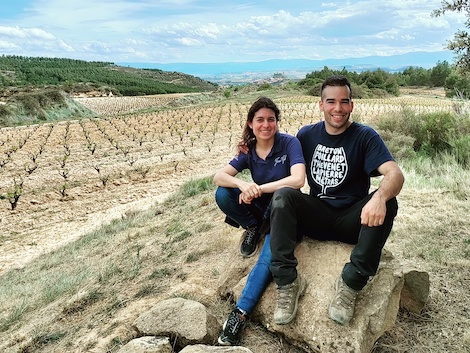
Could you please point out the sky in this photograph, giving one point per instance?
(217, 31)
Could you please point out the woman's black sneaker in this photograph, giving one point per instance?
(233, 326)
(249, 243)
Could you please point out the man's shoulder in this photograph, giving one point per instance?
(362, 127)
(309, 128)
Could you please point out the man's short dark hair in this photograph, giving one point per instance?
(336, 80)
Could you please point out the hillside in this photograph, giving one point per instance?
(38, 90)
(72, 76)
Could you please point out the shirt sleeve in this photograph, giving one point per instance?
(240, 162)
(377, 154)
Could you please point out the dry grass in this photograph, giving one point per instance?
(84, 295)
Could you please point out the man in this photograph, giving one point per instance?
(341, 156)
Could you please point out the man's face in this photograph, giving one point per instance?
(336, 105)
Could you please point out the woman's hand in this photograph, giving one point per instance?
(249, 192)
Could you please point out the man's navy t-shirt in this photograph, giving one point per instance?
(339, 167)
(285, 153)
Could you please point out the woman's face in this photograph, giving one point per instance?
(264, 124)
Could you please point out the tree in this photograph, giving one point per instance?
(460, 45)
(457, 86)
(439, 73)
(416, 76)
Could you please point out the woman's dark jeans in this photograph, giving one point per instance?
(244, 215)
(295, 214)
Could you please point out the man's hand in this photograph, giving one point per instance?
(373, 212)
(243, 148)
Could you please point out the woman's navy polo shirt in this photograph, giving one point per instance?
(285, 153)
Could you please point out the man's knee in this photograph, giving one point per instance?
(392, 207)
(281, 197)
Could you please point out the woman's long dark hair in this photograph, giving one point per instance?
(248, 137)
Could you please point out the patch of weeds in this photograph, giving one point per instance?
(109, 272)
(192, 188)
(80, 305)
(176, 227)
(182, 276)
(61, 284)
(204, 227)
(160, 273)
(146, 290)
(153, 230)
(43, 340)
(466, 250)
(206, 201)
(183, 235)
(434, 254)
(15, 315)
(196, 187)
(115, 306)
(116, 342)
(90, 345)
(135, 261)
(194, 256)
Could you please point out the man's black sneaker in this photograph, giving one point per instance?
(232, 328)
(249, 243)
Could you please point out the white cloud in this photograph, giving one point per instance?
(17, 32)
(4, 45)
(189, 42)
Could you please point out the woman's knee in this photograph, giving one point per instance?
(224, 195)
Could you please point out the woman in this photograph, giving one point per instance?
(275, 160)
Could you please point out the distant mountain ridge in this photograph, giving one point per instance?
(297, 68)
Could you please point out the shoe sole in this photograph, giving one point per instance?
(220, 341)
(223, 343)
(250, 255)
(303, 287)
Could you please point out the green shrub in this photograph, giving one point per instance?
(263, 87)
(431, 132)
(408, 134)
(400, 145)
(405, 123)
(439, 128)
(461, 150)
(315, 90)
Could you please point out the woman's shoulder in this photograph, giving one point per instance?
(286, 139)
(285, 136)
